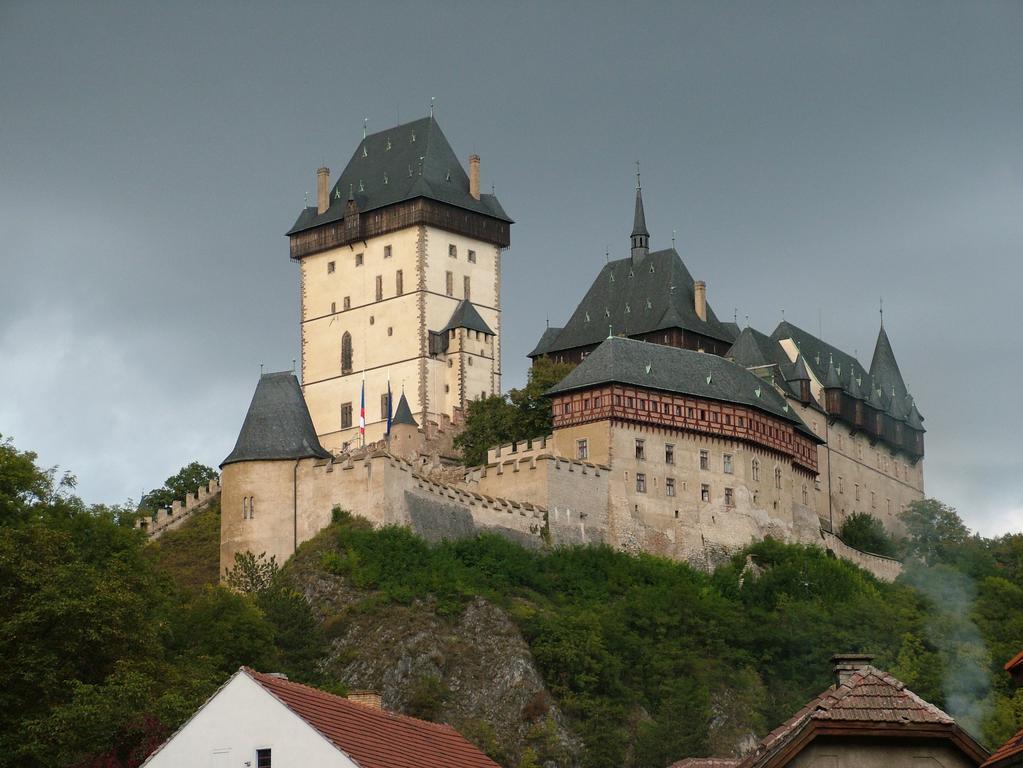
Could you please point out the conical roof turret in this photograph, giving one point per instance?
(640, 235)
(883, 367)
(832, 379)
(403, 414)
(277, 425)
(799, 371)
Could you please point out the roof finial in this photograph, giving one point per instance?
(432, 100)
(674, 232)
(881, 309)
(640, 236)
(609, 334)
(638, 185)
(260, 369)
(365, 122)
(607, 253)
(548, 319)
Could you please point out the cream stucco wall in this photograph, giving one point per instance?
(390, 335)
(886, 753)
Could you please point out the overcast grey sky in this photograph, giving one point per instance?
(812, 156)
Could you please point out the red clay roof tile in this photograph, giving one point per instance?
(1010, 753)
(375, 738)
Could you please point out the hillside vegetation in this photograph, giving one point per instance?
(578, 656)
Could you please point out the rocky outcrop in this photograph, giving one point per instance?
(473, 670)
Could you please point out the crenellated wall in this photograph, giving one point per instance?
(168, 519)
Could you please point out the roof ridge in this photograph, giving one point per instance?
(265, 679)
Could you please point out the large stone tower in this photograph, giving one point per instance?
(401, 282)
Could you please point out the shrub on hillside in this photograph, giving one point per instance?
(865, 532)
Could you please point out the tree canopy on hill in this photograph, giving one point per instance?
(177, 487)
(649, 659)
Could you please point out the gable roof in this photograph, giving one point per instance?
(637, 297)
(670, 369)
(467, 316)
(753, 349)
(549, 336)
(401, 163)
(1009, 754)
(277, 424)
(868, 700)
(374, 738)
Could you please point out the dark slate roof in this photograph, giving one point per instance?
(466, 316)
(799, 372)
(401, 163)
(549, 335)
(732, 328)
(639, 217)
(884, 369)
(670, 369)
(818, 354)
(868, 700)
(277, 425)
(403, 414)
(753, 349)
(635, 298)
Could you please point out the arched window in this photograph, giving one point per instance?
(346, 353)
(245, 507)
(777, 477)
(252, 507)
(756, 470)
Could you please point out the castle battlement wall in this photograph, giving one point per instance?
(168, 519)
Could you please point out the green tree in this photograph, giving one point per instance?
(865, 532)
(251, 573)
(522, 414)
(177, 487)
(933, 530)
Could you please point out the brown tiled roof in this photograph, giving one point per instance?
(1010, 753)
(868, 700)
(1014, 662)
(375, 738)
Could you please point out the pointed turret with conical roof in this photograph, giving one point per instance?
(883, 367)
(640, 235)
(277, 425)
(403, 414)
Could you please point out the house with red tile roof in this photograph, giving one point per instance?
(1010, 754)
(258, 720)
(867, 719)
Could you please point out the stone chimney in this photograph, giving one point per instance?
(369, 699)
(474, 176)
(847, 664)
(322, 193)
(700, 299)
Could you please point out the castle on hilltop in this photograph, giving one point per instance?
(675, 433)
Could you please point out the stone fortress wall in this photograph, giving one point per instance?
(168, 519)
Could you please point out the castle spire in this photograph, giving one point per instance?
(640, 235)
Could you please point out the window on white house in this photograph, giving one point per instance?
(330, 267)
(471, 255)
(263, 758)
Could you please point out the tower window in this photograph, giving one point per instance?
(449, 282)
(387, 251)
(669, 454)
(399, 283)
(704, 492)
(582, 450)
(346, 303)
(669, 486)
(729, 498)
(453, 251)
(346, 415)
(346, 353)
(777, 477)
(727, 463)
(466, 288)
(384, 405)
(390, 330)
(358, 259)
(471, 255)
(704, 460)
(333, 307)
(263, 758)
(640, 482)
(640, 449)
(380, 287)
(756, 470)
(330, 267)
